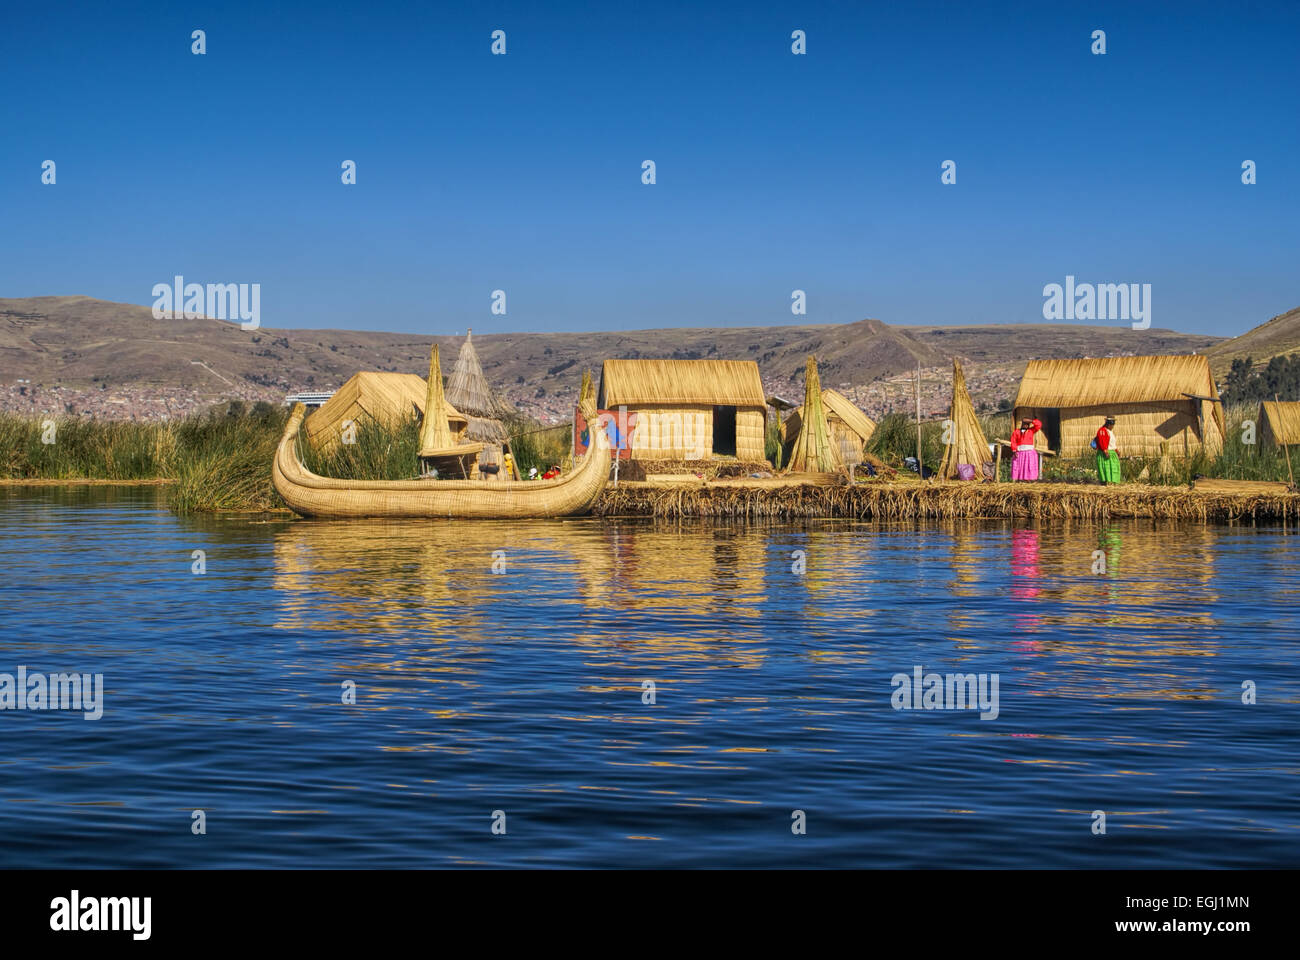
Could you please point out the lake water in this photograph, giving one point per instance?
(523, 692)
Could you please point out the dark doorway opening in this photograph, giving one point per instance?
(1052, 427)
(724, 431)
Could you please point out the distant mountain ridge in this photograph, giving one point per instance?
(79, 350)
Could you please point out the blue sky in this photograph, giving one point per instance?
(775, 172)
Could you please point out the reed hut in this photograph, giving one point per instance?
(468, 391)
(689, 409)
(1278, 424)
(966, 441)
(1165, 404)
(815, 450)
(387, 399)
(850, 428)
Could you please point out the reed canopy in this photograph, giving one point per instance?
(964, 438)
(469, 391)
(850, 428)
(815, 450)
(386, 399)
(689, 409)
(1278, 423)
(436, 439)
(1162, 404)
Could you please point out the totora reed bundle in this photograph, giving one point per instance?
(814, 449)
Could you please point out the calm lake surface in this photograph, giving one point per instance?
(522, 692)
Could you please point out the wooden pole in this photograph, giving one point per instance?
(950, 455)
(920, 465)
(1286, 450)
(997, 464)
(513, 473)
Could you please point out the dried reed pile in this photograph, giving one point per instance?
(968, 443)
(814, 449)
(1216, 485)
(435, 433)
(955, 500)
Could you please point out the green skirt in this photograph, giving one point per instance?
(1108, 467)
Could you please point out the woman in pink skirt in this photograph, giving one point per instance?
(1025, 464)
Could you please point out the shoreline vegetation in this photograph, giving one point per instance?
(220, 462)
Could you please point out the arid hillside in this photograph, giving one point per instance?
(78, 354)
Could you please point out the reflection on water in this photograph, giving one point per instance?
(508, 666)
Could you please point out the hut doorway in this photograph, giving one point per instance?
(1052, 428)
(724, 431)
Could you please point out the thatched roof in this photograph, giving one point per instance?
(814, 449)
(386, 398)
(968, 442)
(702, 382)
(1091, 383)
(435, 435)
(1283, 419)
(469, 390)
(841, 406)
(837, 407)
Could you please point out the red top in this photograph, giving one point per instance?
(1019, 437)
(1103, 439)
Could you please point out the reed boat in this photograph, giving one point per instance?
(312, 495)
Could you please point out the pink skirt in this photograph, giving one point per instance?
(1025, 465)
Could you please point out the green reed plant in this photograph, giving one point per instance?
(68, 447)
(377, 453)
(538, 445)
(224, 461)
(772, 446)
(895, 438)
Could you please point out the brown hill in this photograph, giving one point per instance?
(1281, 335)
(115, 359)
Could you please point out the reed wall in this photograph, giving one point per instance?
(685, 432)
(1141, 429)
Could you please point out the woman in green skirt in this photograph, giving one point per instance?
(1107, 455)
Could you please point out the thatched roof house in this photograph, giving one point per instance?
(689, 409)
(384, 398)
(1278, 423)
(1167, 401)
(850, 428)
(469, 392)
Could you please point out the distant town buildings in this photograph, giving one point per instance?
(989, 384)
(315, 399)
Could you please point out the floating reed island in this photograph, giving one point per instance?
(786, 499)
(824, 439)
(698, 438)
